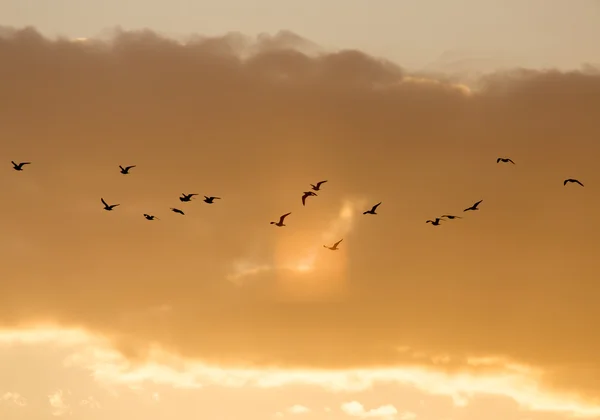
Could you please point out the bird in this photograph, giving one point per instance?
(372, 211)
(186, 197)
(435, 222)
(306, 195)
(210, 200)
(108, 207)
(318, 186)
(335, 245)
(126, 169)
(173, 209)
(449, 216)
(474, 206)
(505, 160)
(280, 223)
(19, 167)
(150, 217)
(572, 180)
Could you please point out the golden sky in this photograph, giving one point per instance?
(219, 314)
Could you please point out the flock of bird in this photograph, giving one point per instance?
(185, 198)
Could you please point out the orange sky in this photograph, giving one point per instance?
(401, 304)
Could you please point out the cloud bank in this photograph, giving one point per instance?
(516, 280)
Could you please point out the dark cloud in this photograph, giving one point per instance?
(518, 278)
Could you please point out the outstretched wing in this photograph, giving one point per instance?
(375, 206)
(579, 183)
(337, 243)
(498, 160)
(476, 204)
(321, 182)
(103, 202)
(304, 199)
(511, 161)
(284, 216)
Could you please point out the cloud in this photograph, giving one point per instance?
(298, 409)
(15, 398)
(356, 409)
(514, 282)
(114, 372)
(58, 404)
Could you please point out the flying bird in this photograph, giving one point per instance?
(449, 216)
(474, 206)
(173, 209)
(108, 207)
(335, 245)
(280, 223)
(150, 217)
(435, 222)
(318, 186)
(210, 200)
(372, 211)
(19, 167)
(306, 195)
(572, 180)
(505, 160)
(126, 169)
(186, 197)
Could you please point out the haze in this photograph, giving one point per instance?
(218, 315)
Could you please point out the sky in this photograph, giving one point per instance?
(217, 314)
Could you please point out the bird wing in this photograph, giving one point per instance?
(476, 204)
(319, 183)
(129, 167)
(25, 163)
(511, 161)
(565, 182)
(375, 206)
(103, 202)
(284, 216)
(498, 160)
(579, 183)
(337, 243)
(304, 199)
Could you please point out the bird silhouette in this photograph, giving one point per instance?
(173, 209)
(280, 223)
(572, 180)
(318, 186)
(150, 217)
(373, 209)
(126, 169)
(306, 195)
(435, 222)
(108, 207)
(186, 197)
(449, 216)
(210, 200)
(505, 160)
(335, 245)
(19, 167)
(473, 207)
